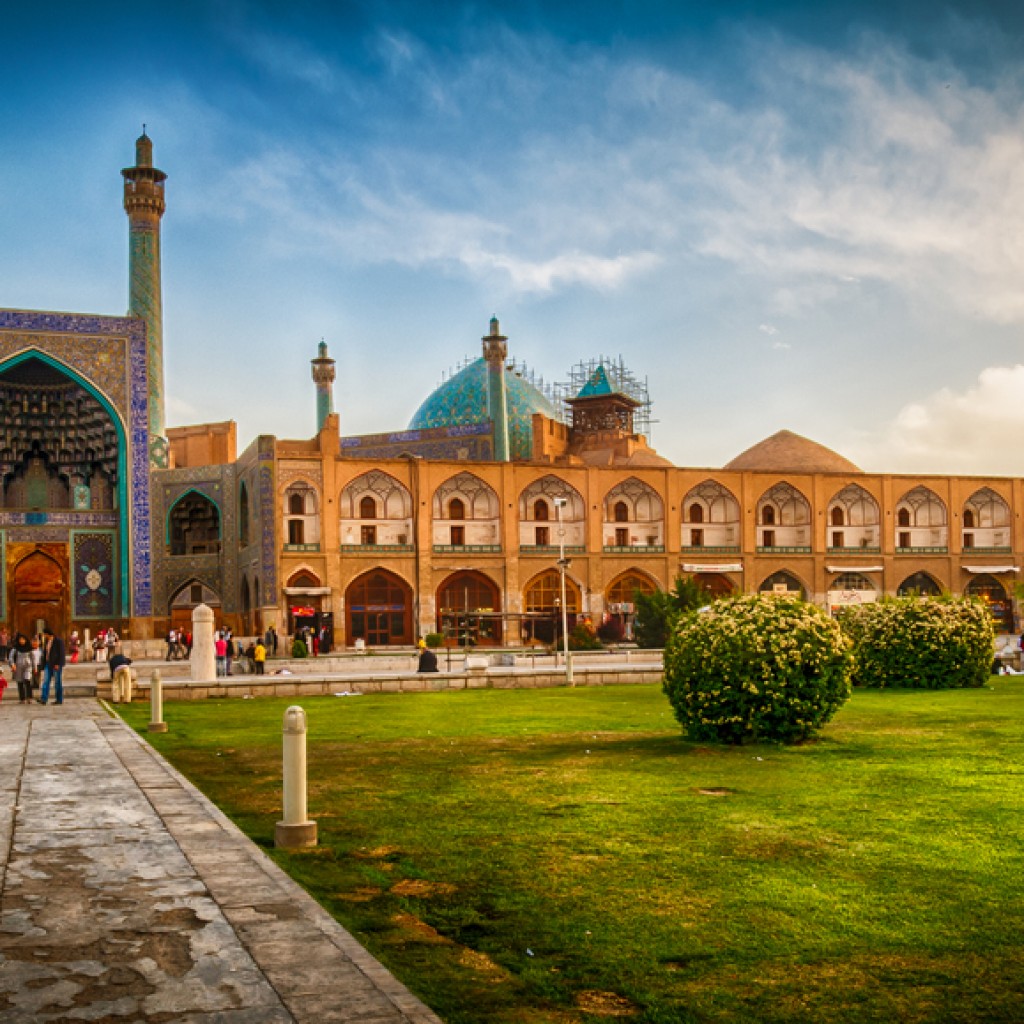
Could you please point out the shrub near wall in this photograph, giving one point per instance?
(756, 668)
(927, 643)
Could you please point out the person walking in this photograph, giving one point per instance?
(21, 667)
(37, 662)
(54, 658)
(220, 650)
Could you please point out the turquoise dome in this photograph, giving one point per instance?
(462, 399)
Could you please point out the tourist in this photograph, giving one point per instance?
(259, 656)
(99, 645)
(37, 662)
(172, 644)
(20, 657)
(229, 651)
(74, 647)
(220, 650)
(428, 659)
(53, 658)
(119, 660)
(5, 644)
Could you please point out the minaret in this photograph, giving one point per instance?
(144, 204)
(323, 376)
(495, 353)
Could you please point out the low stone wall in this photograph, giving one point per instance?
(391, 682)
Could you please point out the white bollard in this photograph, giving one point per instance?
(156, 704)
(295, 830)
(204, 656)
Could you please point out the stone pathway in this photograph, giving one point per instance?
(126, 896)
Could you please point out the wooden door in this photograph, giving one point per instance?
(39, 594)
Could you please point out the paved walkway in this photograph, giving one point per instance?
(126, 896)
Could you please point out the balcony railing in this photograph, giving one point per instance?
(302, 547)
(712, 549)
(853, 549)
(780, 549)
(1007, 550)
(551, 549)
(634, 549)
(923, 551)
(384, 549)
(467, 549)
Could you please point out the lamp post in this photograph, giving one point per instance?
(563, 564)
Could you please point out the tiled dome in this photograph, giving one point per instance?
(462, 399)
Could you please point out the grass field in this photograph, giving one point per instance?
(565, 856)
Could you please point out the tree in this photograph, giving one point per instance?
(657, 613)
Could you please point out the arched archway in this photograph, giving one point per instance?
(186, 598)
(920, 584)
(988, 589)
(784, 583)
(469, 609)
(193, 525)
(715, 583)
(542, 606)
(620, 604)
(378, 609)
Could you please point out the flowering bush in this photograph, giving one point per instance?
(930, 643)
(756, 667)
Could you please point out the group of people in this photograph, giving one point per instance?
(179, 644)
(226, 650)
(316, 641)
(39, 659)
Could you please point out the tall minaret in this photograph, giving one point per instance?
(144, 204)
(495, 352)
(323, 376)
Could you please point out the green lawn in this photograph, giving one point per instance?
(565, 856)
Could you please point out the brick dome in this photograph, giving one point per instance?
(786, 452)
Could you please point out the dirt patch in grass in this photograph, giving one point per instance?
(415, 930)
(606, 1004)
(421, 887)
(483, 965)
(364, 894)
(716, 791)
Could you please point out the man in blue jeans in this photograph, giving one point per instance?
(53, 659)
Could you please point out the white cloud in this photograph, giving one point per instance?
(977, 430)
(768, 329)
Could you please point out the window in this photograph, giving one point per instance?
(968, 519)
(767, 538)
(968, 539)
(458, 535)
(296, 531)
(196, 593)
(456, 509)
(621, 512)
(904, 540)
(837, 520)
(696, 513)
(903, 519)
(697, 538)
(622, 537)
(367, 534)
(367, 508)
(837, 535)
(296, 504)
(540, 510)
(543, 536)
(767, 515)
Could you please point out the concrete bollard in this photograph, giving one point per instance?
(156, 704)
(204, 656)
(295, 830)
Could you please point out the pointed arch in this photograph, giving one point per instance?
(376, 510)
(784, 518)
(466, 513)
(469, 608)
(920, 584)
(921, 521)
(193, 525)
(711, 517)
(854, 519)
(378, 609)
(634, 516)
(986, 522)
(783, 582)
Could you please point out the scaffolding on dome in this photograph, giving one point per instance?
(621, 379)
(549, 391)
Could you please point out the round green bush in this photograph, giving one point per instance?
(434, 639)
(932, 643)
(756, 668)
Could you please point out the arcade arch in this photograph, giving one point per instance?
(469, 609)
(921, 521)
(783, 518)
(466, 514)
(854, 520)
(376, 511)
(634, 517)
(711, 517)
(379, 609)
(541, 518)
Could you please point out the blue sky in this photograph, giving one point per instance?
(789, 215)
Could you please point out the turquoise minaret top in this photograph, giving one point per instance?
(323, 376)
(144, 204)
(495, 353)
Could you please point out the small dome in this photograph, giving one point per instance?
(786, 452)
(462, 399)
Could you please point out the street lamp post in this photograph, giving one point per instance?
(563, 564)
